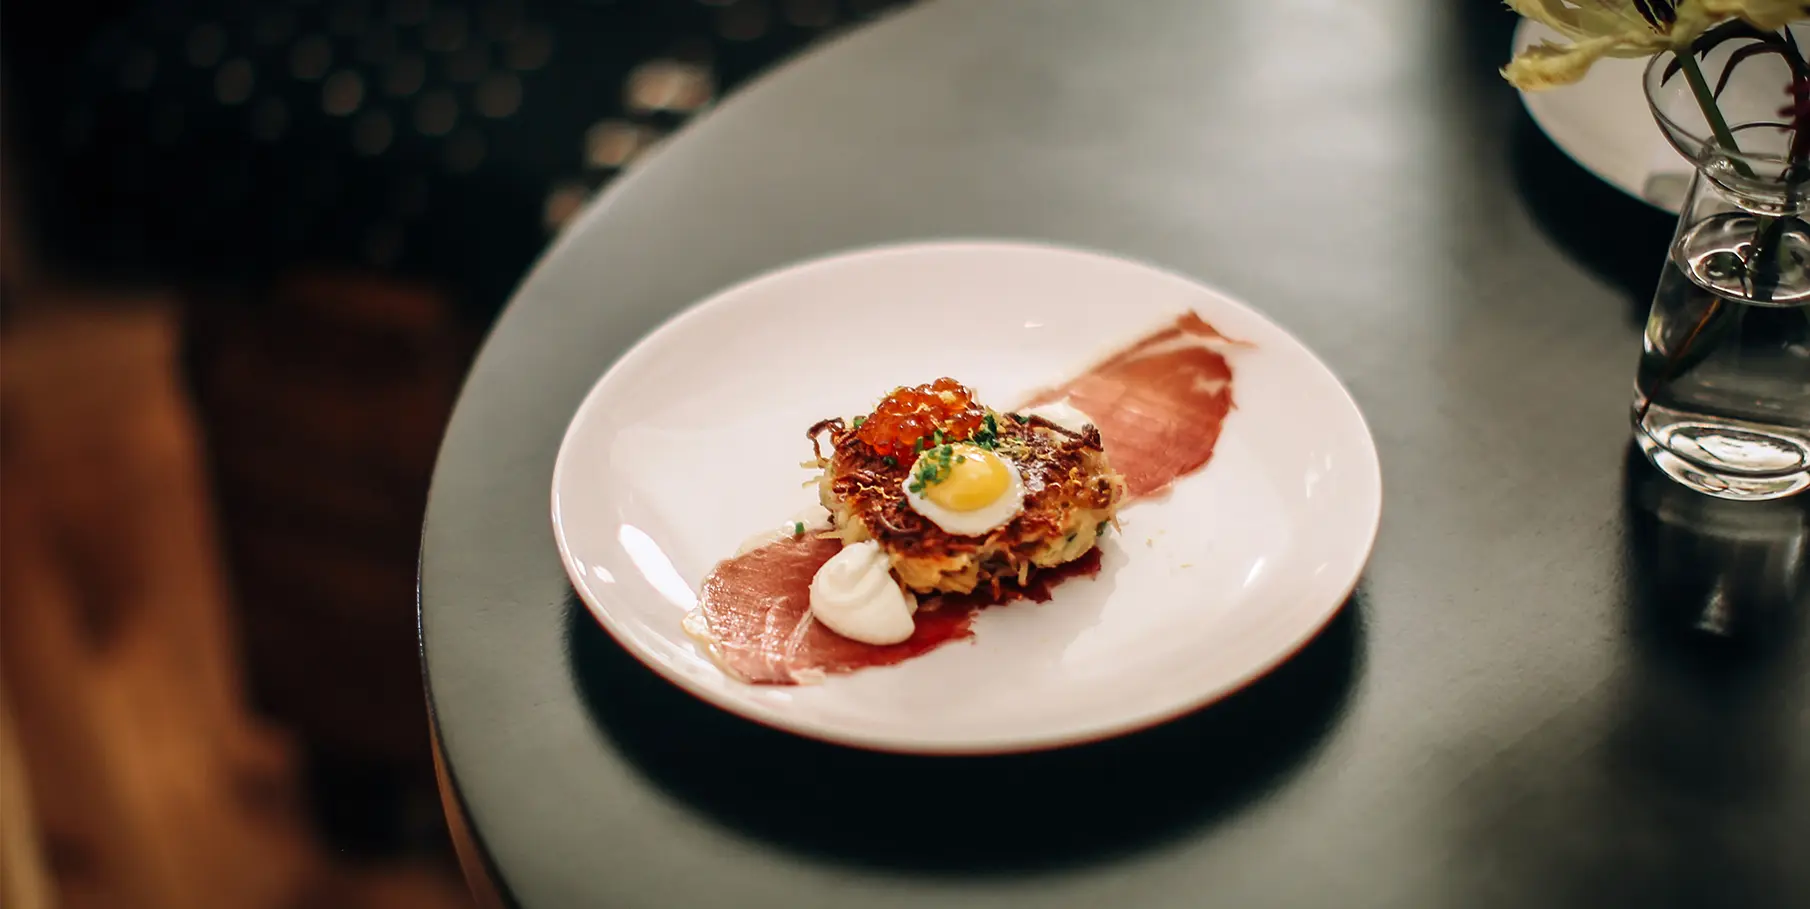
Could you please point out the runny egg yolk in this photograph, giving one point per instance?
(976, 479)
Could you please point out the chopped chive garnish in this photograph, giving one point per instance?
(988, 436)
(859, 421)
(798, 528)
(1101, 530)
(938, 436)
(1021, 418)
(933, 467)
(890, 461)
(961, 459)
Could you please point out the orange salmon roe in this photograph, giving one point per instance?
(910, 414)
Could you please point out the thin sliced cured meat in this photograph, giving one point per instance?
(756, 609)
(1159, 403)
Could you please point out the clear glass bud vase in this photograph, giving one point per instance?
(1722, 396)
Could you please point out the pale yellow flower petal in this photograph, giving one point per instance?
(1581, 20)
(1547, 65)
(1616, 28)
(1693, 20)
(1557, 15)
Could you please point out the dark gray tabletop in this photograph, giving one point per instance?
(1562, 682)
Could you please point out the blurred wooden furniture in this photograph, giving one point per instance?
(151, 782)
(24, 874)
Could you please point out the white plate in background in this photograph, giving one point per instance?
(1604, 125)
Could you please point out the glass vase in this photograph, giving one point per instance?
(1722, 395)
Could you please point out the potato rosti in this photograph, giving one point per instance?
(961, 496)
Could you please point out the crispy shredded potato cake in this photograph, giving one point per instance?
(881, 466)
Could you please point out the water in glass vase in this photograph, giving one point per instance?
(1722, 398)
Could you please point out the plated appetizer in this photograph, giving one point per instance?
(935, 505)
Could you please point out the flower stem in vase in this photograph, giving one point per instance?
(1706, 101)
(1761, 267)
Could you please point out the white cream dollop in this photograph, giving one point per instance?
(855, 595)
(1061, 413)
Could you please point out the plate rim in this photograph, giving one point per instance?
(770, 717)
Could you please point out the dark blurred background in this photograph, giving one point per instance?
(246, 252)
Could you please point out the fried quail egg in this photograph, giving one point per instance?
(965, 489)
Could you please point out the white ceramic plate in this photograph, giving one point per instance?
(692, 441)
(1603, 124)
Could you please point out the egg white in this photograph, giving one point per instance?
(974, 523)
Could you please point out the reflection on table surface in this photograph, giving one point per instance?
(1706, 571)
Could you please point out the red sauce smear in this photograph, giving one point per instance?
(758, 606)
(1159, 404)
